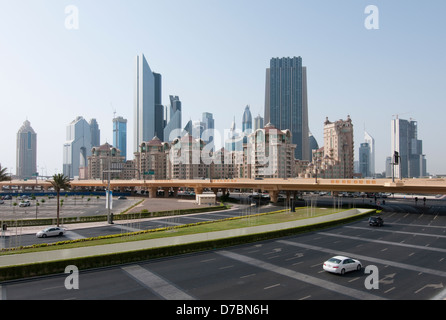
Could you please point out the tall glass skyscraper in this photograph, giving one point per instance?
(120, 135)
(172, 130)
(148, 112)
(286, 105)
(95, 133)
(77, 148)
(404, 140)
(26, 151)
(247, 121)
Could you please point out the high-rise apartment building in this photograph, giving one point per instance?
(120, 135)
(148, 111)
(286, 103)
(404, 140)
(26, 160)
(339, 145)
(335, 159)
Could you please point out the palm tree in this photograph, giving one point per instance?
(3, 175)
(60, 182)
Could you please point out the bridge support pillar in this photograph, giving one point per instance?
(274, 196)
(152, 192)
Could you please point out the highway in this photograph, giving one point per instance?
(408, 252)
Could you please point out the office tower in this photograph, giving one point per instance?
(404, 140)
(172, 130)
(160, 122)
(286, 104)
(371, 141)
(209, 126)
(77, 148)
(364, 160)
(26, 160)
(95, 133)
(258, 122)
(148, 111)
(120, 135)
(247, 121)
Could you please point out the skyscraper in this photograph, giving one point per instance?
(371, 141)
(258, 122)
(95, 133)
(148, 112)
(209, 126)
(77, 148)
(364, 159)
(247, 121)
(172, 130)
(26, 160)
(404, 140)
(120, 135)
(286, 104)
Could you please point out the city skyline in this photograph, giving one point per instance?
(50, 74)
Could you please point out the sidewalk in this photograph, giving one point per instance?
(65, 254)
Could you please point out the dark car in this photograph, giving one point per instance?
(376, 221)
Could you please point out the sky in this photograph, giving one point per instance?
(213, 55)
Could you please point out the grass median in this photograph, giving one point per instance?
(243, 221)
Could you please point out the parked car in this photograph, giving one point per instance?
(341, 264)
(376, 221)
(50, 232)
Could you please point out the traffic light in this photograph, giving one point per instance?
(396, 157)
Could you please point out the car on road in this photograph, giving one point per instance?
(376, 221)
(24, 203)
(51, 232)
(341, 265)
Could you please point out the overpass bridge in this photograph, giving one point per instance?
(272, 186)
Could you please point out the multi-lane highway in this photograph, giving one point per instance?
(407, 256)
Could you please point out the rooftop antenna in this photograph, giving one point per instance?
(114, 111)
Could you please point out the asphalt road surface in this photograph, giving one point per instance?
(407, 256)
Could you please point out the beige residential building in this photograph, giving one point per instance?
(185, 161)
(151, 162)
(270, 153)
(335, 159)
(105, 160)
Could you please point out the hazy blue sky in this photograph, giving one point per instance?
(213, 55)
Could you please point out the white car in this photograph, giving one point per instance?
(50, 232)
(341, 264)
(25, 203)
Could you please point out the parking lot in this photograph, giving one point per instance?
(72, 207)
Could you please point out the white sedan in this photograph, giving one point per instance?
(50, 232)
(341, 264)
